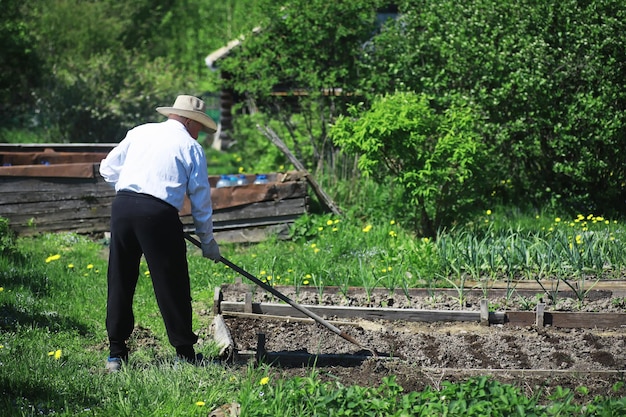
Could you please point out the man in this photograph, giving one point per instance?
(152, 169)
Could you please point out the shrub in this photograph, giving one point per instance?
(436, 156)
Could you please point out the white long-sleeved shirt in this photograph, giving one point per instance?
(163, 160)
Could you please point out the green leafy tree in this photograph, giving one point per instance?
(300, 69)
(437, 157)
(88, 70)
(549, 76)
(20, 64)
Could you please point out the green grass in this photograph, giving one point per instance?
(53, 340)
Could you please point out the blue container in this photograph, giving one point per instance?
(224, 181)
(261, 179)
(242, 180)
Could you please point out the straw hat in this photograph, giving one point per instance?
(192, 108)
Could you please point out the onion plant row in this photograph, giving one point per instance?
(330, 251)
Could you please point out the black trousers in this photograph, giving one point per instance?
(142, 224)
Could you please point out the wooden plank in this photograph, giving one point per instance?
(361, 312)
(514, 318)
(49, 156)
(60, 208)
(586, 320)
(15, 190)
(66, 147)
(235, 197)
(77, 170)
(540, 318)
(520, 318)
(265, 209)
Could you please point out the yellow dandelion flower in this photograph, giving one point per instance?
(70, 266)
(1, 346)
(238, 158)
(488, 212)
(264, 380)
(392, 233)
(55, 353)
(147, 273)
(53, 258)
(335, 221)
(200, 403)
(269, 277)
(389, 269)
(281, 167)
(313, 245)
(90, 266)
(329, 222)
(557, 220)
(425, 240)
(305, 282)
(263, 272)
(367, 228)
(316, 250)
(1, 289)
(241, 170)
(335, 229)
(392, 222)
(320, 228)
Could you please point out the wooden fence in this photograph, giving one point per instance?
(45, 189)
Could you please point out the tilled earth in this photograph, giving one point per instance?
(426, 354)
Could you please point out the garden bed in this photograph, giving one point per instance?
(428, 352)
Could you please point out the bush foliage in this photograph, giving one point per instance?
(544, 82)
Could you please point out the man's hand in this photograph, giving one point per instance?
(211, 250)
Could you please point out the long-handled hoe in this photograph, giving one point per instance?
(284, 298)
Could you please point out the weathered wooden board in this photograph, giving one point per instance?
(49, 156)
(566, 319)
(367, 313)
(79, 170)
(227, 197)
(559, 319)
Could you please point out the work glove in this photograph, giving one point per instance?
(211, 250)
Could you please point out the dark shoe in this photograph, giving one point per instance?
(197, 360)
(113, 364)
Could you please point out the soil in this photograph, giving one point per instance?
(426, 354)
